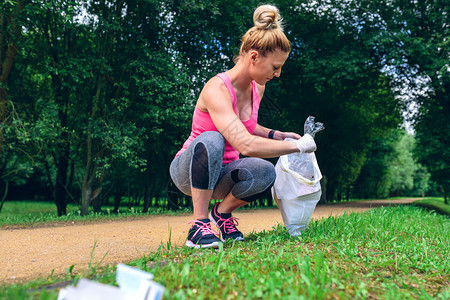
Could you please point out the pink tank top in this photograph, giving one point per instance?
(201, 121)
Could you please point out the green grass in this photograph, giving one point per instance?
(389, 253)
(436, 204)
(370, 199)
(32, 212)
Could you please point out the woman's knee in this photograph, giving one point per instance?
(257, 170)
(209, 143)
(207, 157)
(255, 179)
(213, 140)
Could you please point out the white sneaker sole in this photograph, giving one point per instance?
(198, 246)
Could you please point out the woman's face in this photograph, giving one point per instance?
(264, 68)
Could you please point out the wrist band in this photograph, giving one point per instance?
(271, 133)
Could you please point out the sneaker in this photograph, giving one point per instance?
(201, 235)
(226, 224)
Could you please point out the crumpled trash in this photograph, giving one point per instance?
(311, 127)
(133, 284)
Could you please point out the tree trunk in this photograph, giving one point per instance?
(97, 201)
(323, 184)
(137, 200)
(117, 199)
(445, 195)
(87, 189)
(129, 201)
(148, 196)
(86, 196)
(5, 193)
(339, 196)
(90, 191)
(70, 181)
(105, 199)
(62, 98)
(2, 115)
(91, 168)
(8, 51)
(128, 193)
(60, 194)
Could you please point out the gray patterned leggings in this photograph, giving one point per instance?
(200, 166)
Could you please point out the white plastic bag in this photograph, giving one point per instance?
(297, 190)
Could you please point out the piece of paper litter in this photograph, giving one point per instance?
(134, 284)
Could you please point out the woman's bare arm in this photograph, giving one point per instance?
(216, 99)
(278, 135)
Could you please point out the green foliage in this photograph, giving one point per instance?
(374, 176)
(206, 34)
(403, 167)
(391, 169)
(433, 138)
(98, 93)
(419, 33)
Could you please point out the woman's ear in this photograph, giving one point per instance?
(254, 55)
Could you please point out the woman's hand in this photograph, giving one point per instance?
(306, 144)
(280, 135)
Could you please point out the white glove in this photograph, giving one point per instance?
(306, 144)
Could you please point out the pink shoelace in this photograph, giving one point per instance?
(205, 228)
(229, 224)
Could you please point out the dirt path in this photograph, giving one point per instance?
(37, 252)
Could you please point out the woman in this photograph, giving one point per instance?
(225, 124)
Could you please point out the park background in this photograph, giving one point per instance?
(96, 97)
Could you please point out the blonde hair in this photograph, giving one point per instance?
(267, 33)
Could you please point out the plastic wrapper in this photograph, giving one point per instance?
(311, 127)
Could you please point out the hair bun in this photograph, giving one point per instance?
(267, 17)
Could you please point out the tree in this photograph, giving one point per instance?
(415, 45)
(433, 136)
(402, 167)
(391, 169)
(10, 33)
(50, 62)
(422, 184)
(149, 92)
(374, 179)
(206, 34)
(93, 92)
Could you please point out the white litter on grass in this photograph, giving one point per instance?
(134, 284)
